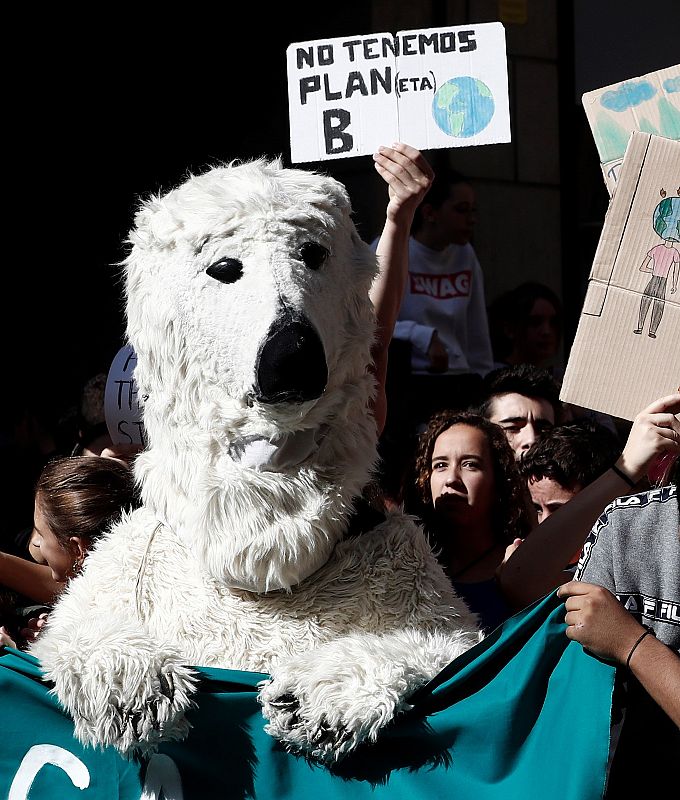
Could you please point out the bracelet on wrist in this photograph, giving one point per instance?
(623, 476)
(647, 632)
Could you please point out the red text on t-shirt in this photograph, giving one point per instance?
(441, 287)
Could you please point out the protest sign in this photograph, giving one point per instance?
(626, 352)
(122, 403)
(430, 88)
(650, 104)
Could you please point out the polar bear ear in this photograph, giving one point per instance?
(155, 228)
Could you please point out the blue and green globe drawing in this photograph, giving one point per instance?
(463, 106)
(667, 219)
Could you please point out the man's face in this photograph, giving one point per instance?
(522, 418)
(548, 496)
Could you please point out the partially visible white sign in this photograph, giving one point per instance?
(122, 403)
(650, 104)
(430, 88)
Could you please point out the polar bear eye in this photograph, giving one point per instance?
(226, 270)
(313, 254)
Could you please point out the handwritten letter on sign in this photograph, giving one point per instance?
(430, 88)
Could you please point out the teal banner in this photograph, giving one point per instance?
(523, 714)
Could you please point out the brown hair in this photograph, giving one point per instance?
(84, 495)
(510, 517)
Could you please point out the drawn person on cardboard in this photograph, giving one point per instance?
(662, 261)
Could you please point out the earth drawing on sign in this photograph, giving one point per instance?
(463, 106)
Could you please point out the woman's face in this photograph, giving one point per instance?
(58, 558)
(461, 476)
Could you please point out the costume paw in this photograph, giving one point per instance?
(321, 718)
(131, 706)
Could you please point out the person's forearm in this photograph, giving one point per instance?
(657, 667)
(386, 295)
(28, 578)
(388, 287)
(537, 566)
(408, 176)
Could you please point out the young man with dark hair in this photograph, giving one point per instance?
(564, 460)
(524, 400)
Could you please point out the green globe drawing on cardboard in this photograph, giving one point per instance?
(463, 106)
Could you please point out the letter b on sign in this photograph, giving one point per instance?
(336, 139)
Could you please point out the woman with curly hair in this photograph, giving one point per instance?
(467, 490)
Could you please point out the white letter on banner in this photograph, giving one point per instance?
(163, 776)
(36, 758)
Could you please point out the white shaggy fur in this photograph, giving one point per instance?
(238, 557)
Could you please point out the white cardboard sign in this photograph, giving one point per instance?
(122, 403)
(431, 88)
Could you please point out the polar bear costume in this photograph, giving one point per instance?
(248, 309)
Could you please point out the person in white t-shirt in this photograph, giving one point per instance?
(443, 311)
(441, 337)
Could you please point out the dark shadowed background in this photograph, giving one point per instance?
(111, 105)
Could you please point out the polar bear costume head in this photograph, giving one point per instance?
(248, 309)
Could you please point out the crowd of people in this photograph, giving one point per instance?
(518, 493)
(521, 494)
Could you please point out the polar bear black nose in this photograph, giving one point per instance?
(291, 366)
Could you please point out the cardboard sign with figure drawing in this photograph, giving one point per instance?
(626, 352)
